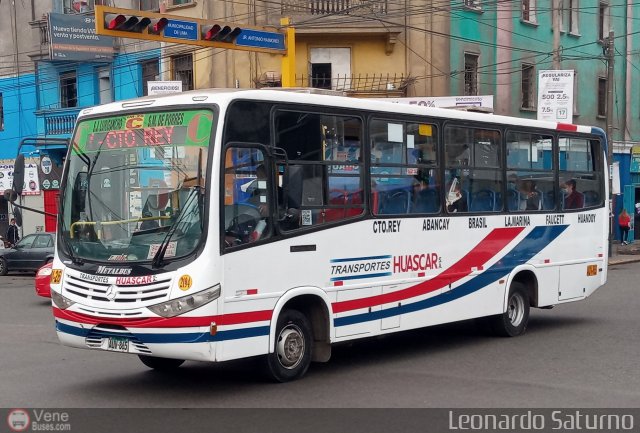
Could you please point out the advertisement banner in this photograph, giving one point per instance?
(73, 37)
(555, 96)
(163, 87)
(31, 179)
(484, 101)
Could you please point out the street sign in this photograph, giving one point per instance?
(261, 39)
(182, 30)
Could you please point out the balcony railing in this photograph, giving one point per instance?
(59, 121)
(334, 7)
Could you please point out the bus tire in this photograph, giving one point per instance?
(160, 364)
(513, 322)
(291, 356)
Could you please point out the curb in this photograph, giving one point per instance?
(623, 261)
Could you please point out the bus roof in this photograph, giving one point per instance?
(224, 97)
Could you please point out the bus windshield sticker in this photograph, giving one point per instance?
(178, 128)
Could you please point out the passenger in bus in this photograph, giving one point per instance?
(531, 197)
(456, 201)
(148, 224)
(573, 199)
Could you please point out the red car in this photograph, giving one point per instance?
(43, 276)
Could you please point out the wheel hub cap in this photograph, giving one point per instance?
(290, 347)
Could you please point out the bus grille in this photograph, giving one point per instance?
(125, 295)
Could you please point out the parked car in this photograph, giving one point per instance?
(29, 254)
(43, 281)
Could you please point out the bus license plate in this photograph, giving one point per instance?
(592, 270)
(117, 344)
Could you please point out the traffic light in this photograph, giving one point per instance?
(220, 33)
(134, 24)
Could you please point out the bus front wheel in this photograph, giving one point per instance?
(513, 321)
(291, 357)
(160, 364)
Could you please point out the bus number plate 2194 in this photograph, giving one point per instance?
(117, 344)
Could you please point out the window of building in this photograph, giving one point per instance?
(603, 21)
(149, 5)
(581, 171)
(330, 68)
(104, 85)
(528, 86)
(470, 74)
(68, 90)
(602, 97)
(180, 2)
(82, 6)
(473, 181)
(183, 70)
(572, 15)
(1, 113)
(150, 72)
(529, 11)
(404, 172)
(321, 75)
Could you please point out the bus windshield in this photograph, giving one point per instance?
(135, 185)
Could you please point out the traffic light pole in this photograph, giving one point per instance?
(289, 59)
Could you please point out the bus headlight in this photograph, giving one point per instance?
(187, 303)
(60, 301)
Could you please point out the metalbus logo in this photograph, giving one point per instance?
(18, 420)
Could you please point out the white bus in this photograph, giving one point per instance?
(216, 224)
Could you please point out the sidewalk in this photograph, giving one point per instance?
(621, 254)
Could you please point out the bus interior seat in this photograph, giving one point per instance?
(513, 200)
(483, 201)
(395, 202)
(426, 201)
(591, 198)
(549, 200)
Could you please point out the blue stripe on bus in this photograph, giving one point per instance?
(357, 277)
(356, 259)
(184, 337)
(531, 245)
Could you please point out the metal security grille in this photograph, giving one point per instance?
(150, 72)
(470, 74)
(183, 70)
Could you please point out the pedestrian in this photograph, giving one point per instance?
(624, 220)
(12, 233)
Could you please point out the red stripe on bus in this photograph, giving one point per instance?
(482, 253)
(160, 322)
(566, 127)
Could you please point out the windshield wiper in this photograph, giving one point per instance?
(159, 256)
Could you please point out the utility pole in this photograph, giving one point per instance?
(556, 19)
(610, 54)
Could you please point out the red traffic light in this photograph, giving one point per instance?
(221, 34)
(210, 32)
(157, 26)
(126, 23)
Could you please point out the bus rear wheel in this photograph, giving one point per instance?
(513, 321)
(160, 364)
(291, 356)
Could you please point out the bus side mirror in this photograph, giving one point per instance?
(18, 216)
(18, 175)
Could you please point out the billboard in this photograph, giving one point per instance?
(555, 96)
(74, 38)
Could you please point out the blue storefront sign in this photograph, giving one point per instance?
(260, 39)
(181, 30)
